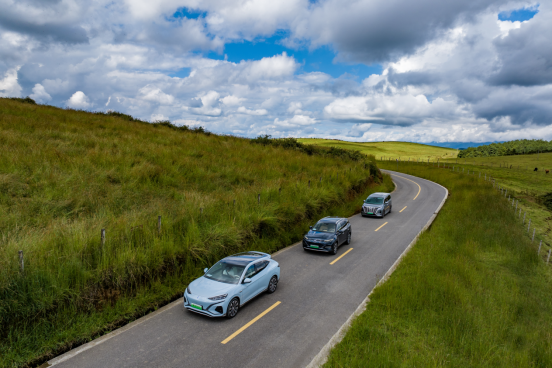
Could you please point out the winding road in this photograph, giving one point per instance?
(316, 295)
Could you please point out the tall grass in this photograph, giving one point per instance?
(471, 293)
(65, 175)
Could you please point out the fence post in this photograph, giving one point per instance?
(21, 261)
(523, 217)
(533, 239)
(159, 224)
(103, 237)
(540, 244)
(529, 226)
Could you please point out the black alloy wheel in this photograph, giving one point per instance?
(272, 285)
(348, 238)
(233, 308)
(334, 247)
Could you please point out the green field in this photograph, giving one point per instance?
(65, 175)
(388, 150)
(515, 173)
(472, 292)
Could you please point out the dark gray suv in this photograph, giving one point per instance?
(328, 234)
(377, 204)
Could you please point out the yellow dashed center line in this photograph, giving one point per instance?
(250, 323)
(341, 256)
(381, 226)
(419, 187)
(403, 209)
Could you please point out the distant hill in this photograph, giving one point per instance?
(388, 149)
(517, 147)
(460, 145)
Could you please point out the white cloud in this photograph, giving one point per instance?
(39, 94)
(232, 100)
(295, 122)
(9, 87)
(154, 94)
(78, 101)
(259, 112)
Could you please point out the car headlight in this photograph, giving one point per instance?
(189, 291)
(306, 238)
(329, 240)
(219, 297)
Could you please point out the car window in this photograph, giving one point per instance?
(225, 272)
(250, 272)
(374, 200)
(342, 224)
(327, 227)
(260, 266)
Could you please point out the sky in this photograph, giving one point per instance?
(361, 70)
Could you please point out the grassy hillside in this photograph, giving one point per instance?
(516, 147)
(65, 175)
(388, 150)
(531, 188)
(472, 292)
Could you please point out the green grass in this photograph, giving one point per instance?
(388, 150)
(65, 175)
(515, 173)
(472, 292)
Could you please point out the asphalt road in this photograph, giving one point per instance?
(315, 297)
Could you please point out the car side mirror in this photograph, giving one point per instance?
(205, 270)
(247, 280)
(310, 227)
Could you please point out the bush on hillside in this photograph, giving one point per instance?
(292, 143)
(517, 147)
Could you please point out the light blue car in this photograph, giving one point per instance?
(232, 282)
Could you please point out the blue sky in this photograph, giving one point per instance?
(519, 14)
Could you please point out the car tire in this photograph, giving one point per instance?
(348, 239)
(233, 308)
(272, 285)
(334, 247)
(390, 208)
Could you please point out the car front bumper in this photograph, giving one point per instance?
(319, 247)
(378, 213)
(194, 302)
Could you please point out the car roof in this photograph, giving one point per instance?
(331, 219)
(379, 194)
(245, 258)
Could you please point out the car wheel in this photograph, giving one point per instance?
(334, 248)
(272, 285)
(233, 308)
(348, 239)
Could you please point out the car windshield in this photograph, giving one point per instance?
(374, 200)
(327, 227)
(226, 272)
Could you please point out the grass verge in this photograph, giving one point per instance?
(471, 293)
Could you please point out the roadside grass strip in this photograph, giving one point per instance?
(381, 226)
(403, 209)
(341, 256)
(250, 323)
(472, 292)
